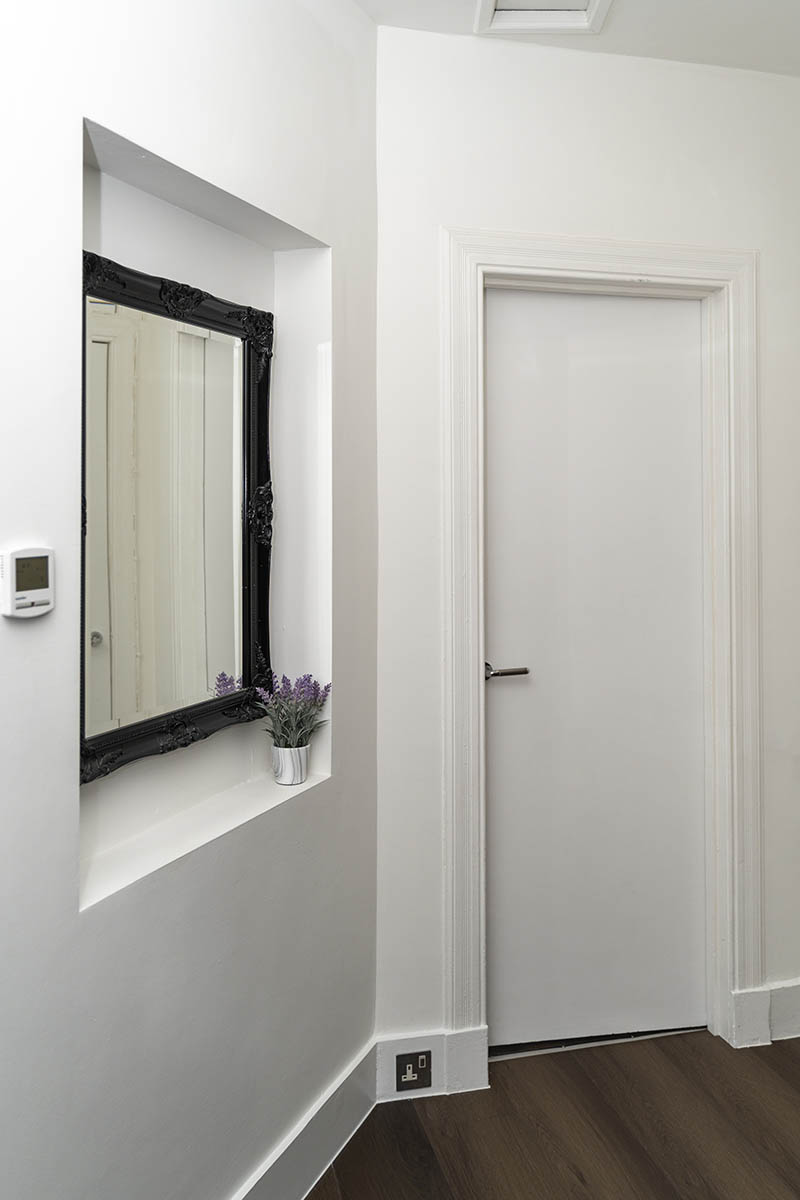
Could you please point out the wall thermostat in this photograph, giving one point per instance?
(27, 585)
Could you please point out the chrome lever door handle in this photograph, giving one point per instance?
(490, 673)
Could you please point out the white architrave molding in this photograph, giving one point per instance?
(551, 20)
(726, 283)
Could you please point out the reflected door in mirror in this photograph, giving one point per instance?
(164, 487)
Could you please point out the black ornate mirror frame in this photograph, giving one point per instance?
(105, 752)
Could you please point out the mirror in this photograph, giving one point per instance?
(177, 513)
(163, 530)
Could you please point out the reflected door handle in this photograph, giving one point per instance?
(490, 673)
(96, 638)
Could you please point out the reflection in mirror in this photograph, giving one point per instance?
(164, 486)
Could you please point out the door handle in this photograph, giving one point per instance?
(490, 673)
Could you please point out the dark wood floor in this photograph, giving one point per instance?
(667, 1119)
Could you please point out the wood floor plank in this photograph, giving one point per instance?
(494, 1160)
(681, 1118)
(390, 1158)
(552, 1094)
(465, 1107)
(698, 1150)
(783, 1058)
(755, 1099)
(478, 1147)
(328, 1187)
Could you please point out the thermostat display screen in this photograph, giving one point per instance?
(32, 574)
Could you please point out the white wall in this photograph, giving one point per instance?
(137, 229)
(301, 438)
(161, 1042)
(508, 136)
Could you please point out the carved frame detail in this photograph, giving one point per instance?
(109, 281)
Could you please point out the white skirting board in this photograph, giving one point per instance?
(766, 1014)
(290, 1171)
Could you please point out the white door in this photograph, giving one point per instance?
(110, 651)
(97, 649)
(595, 767)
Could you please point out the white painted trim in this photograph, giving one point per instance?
(750, 1024)
(113, 857)
(301, 1158)
(726, 282)
(555, 20)
(459, 1062)
(484, 12)
(784, 1009)
(767, 1014)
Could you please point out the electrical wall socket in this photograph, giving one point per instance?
(414, 1070)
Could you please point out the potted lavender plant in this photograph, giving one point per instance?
(292, 714)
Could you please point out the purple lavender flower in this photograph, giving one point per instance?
(291, 710)
(226, 684)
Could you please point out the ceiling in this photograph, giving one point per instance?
(762, 35)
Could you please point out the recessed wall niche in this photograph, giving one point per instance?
(153, 216)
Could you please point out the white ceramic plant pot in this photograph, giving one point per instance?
(290, 763)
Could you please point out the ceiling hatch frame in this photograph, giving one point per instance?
(551, 20)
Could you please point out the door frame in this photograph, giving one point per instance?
(726, 283)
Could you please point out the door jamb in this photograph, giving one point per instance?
(726, 282)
